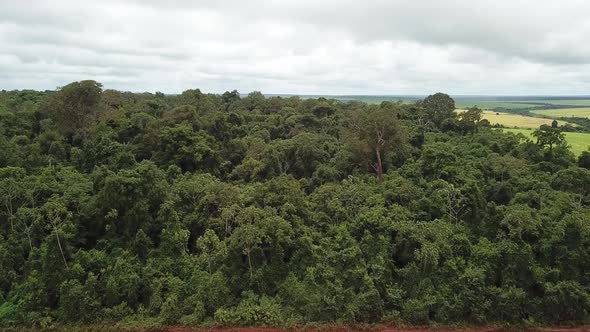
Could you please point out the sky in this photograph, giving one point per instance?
(374, 47)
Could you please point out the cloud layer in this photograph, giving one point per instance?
(308, 47)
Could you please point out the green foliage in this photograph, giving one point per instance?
(374, 134)
(7, 314)
(470, 119)
(170, 313)
(78, 302)
(201, 209)
(76, 106)
(253, 310)
(440, 108)
(548, 136)
(565, 301)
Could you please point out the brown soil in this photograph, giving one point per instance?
(177, 329)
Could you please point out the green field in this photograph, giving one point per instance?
(565, 102)
(522, 104)
(488, 105)
(581, 112)
(578, 142)
(372, 99)
(516, 120)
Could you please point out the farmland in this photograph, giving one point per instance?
(506, 103)
(564, 102)
(523, 104)
(490, 105)
(579, 142)
(579, 112)
(516, 120)
(484, 102)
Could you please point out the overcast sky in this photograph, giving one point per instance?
(500, 47)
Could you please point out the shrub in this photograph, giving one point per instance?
(252, 310)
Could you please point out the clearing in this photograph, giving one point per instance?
(516, 120)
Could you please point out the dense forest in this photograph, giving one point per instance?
(233, 210)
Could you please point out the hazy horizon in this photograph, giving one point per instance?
(479, 97)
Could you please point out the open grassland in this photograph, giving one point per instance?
(516, 120)
(581, 112)
(578, 142)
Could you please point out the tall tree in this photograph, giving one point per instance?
(374, 134)
(230, 98)
(470, 119)
(76, 106)
(549, 136)
(440, 107)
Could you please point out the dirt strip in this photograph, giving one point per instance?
(177, 329)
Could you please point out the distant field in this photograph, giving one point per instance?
(488, 105)
(521, 104)
(516, 120)
(568, 102)
(375, 99)
(582, 112)
(578, 142)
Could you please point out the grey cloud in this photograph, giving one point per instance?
(304, 46)
(544, 31)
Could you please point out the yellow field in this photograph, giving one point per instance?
(566, 112)
(515, 120)
(578, 142)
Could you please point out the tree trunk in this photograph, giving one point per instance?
(249, 264)
(59, 245)
(30, 242)
(379, 167)
(28, 230)
(10, 214)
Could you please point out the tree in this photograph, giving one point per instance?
(211, 248)
(374, 134)
(254, 100)
(470, 119)
(57, 215)
(190, 150)
(549, 136)
(230, 98)
(76, 106)
(12, 192)
(248, 238)
(584, 160)
(565, 301)
(202, 208)
(455, 203)
(575, 180)
(439, 107)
